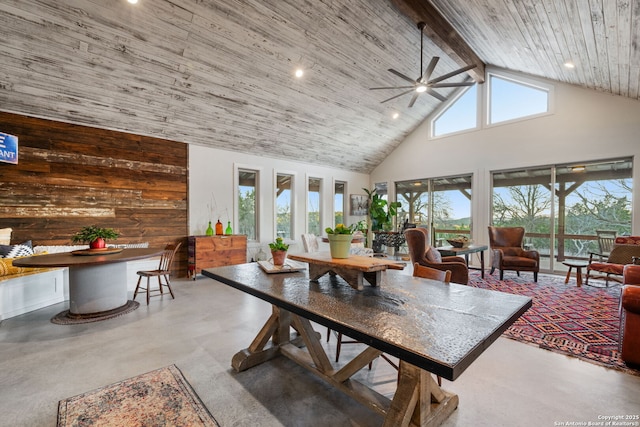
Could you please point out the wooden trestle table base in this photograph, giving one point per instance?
(354, 270)
(430, 327)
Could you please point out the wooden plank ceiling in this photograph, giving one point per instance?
(220, 72)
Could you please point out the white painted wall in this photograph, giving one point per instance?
(586, 125)
(211, 176)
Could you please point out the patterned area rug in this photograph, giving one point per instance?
(158, 398)
(581, 322)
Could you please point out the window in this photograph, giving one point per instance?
(314, 225)
(247, 203)
(284, 216)
(461, 114)
(338, 202)
(563, 224)
(442, 205)
(511, 99)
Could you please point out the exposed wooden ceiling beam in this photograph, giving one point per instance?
(442, 34)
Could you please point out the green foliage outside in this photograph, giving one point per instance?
(247, 214)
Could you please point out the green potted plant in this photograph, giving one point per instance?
(340, 240)
(381, 212)
(95, 236)
(278, 251)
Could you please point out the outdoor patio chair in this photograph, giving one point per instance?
(606, 239)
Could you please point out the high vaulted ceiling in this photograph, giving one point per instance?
(220, 72)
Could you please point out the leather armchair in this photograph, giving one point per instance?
(630, 316)
(423, 254)
(507, 252)
(626, 250)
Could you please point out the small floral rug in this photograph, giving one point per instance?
(580, 322)
(158, 398)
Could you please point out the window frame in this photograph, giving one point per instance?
(237, 168)
(523, 81)
(292, 175)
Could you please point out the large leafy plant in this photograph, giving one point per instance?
(92, 232)
(381, 212)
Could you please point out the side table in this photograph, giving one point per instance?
(578, 265)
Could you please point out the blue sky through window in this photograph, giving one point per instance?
(461, 115)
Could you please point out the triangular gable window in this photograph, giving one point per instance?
(461, 115)
(511, 100)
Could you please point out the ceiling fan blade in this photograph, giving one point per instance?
(402, 76)
(452, 84)
(430, 68)
(413, 99)
(394, 97)
(391, 87)
(451, 74)
(436, 94)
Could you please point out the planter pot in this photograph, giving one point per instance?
(99, 243)
(339, 245)
(278, 257)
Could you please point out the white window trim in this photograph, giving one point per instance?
(293, 176)
(237, 167)
(521, 80)
(448, 104)
(306, 205)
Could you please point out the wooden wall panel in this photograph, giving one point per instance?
(69, 176)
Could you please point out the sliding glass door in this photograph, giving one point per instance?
(564, 224)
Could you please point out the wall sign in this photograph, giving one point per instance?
(8, 148)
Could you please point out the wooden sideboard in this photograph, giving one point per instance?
(215, 251)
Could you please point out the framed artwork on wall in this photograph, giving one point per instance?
(359, 204)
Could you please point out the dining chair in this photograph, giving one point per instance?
(431, 273)
(163, 271)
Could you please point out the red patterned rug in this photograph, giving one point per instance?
(581, 322)
(159, 398)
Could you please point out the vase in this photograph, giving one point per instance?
(218, 228)
(339, 245)
(228, 230)
(209, 231)
(278, 257)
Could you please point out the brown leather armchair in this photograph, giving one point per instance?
(423, 254)
(507, 252)
(630, 316)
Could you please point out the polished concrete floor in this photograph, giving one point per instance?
(510, 384)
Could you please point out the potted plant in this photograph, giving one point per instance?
(381, 212)
(278, 251)
(95, 236)
(340, 240)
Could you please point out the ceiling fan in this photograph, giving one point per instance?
(423, 82)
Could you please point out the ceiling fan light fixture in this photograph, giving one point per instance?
(421, 88)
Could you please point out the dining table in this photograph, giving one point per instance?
(97, 279)
(433, 328)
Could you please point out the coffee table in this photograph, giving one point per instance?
(578, 265)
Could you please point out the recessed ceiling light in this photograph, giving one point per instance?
(395, 115)
(299, 72)
(569, 64)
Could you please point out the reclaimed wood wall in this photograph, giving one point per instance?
(70, 176)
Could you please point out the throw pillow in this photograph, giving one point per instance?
(5, 236)
(433, 255)
(15, 251)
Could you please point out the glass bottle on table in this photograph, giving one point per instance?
(209, 231)
(219, 228)
(228, 230)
